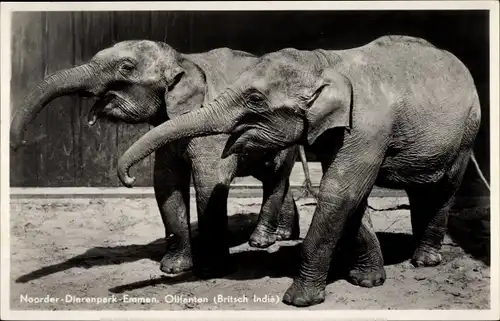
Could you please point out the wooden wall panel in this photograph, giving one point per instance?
(58, 152)
(27, 71)
(78, 124)
(173, 28)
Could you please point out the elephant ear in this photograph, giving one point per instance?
(178, 91)
(172, 75)
(331, 105)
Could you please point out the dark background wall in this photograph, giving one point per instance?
(64, 152)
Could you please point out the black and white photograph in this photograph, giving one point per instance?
(243, 160)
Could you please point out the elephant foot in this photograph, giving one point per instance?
(283, 234)
(426, 256)
(174, 263)
(260, 239)
(367, 278)
(368, 269)
(303, 296)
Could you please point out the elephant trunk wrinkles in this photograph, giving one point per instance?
(220, 116)
(56, 85)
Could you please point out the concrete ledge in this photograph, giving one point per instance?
(148, 192)
(242, 187)
(237, 191)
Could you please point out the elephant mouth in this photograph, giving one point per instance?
(238, 141)
(103, 104)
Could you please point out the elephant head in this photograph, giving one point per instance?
(128, 79)
(287, 98)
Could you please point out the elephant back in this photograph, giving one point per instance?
(221, 67)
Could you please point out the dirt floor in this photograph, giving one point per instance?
(108, 249)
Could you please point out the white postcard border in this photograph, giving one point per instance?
(298, 314)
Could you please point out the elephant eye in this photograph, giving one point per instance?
(126, 67)
(256, 98)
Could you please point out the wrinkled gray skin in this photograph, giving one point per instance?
(144, 81)
(396, 112)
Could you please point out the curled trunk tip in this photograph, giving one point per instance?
(125, 178)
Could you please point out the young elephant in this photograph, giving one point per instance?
(397, 112)
(145, 81)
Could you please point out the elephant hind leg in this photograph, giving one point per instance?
(288, 225)
(278, 206)
(430, 206)
(264, 234)
(363, 255)
(429, 215)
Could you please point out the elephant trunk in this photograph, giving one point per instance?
(218, 117)
(61, 83)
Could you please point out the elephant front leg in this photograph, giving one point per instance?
(346, 184)
(171, 185)
(212, 182)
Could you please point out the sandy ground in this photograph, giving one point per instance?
(110, 248)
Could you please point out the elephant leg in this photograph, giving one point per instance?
(346, 184)
(429, 207)
(430, 204)
(171, 186)
(276, 186)
(264, 234)
(288, 225)
(368, 268)
(364, 255)
(212, 177)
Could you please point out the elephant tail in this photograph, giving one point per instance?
(307, 188)
(480, 173)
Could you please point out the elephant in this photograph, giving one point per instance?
(142, 81)
(397, 112)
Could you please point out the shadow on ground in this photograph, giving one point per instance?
(284, 262)
(471, 232)
(240, 228)
(249, 264)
